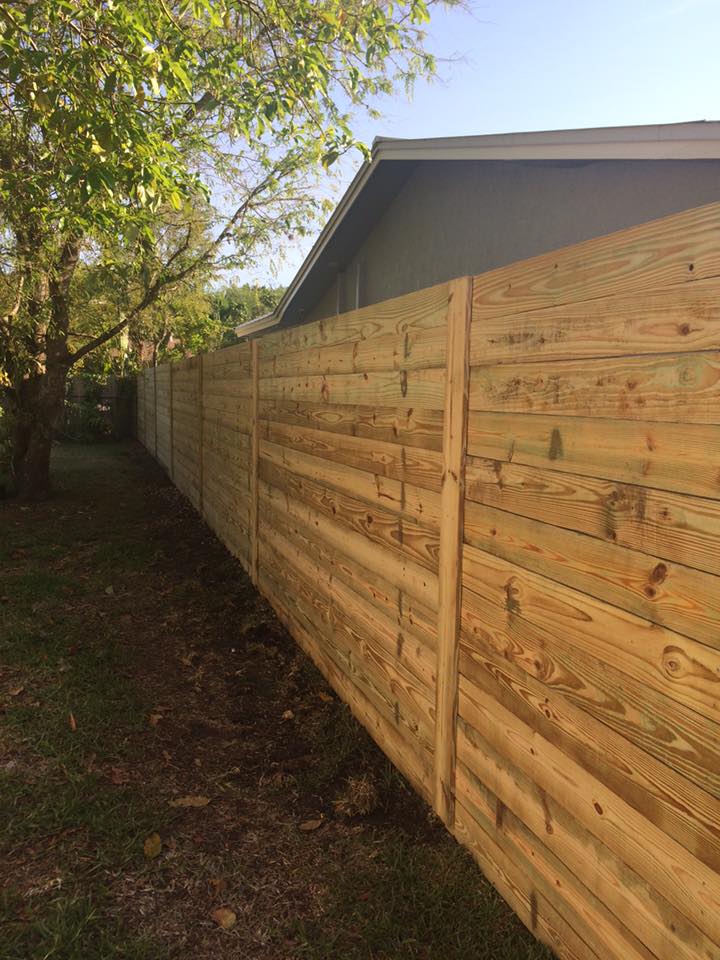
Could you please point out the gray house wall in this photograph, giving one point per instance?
(453, 218)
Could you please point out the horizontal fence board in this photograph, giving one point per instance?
(666, 456)
(680, 318)
(661, 793)
(405, 425)
(362, 642)
(396, 696)
(414, 656)
(418, 350)
(423, 468)
(488, 783)
(412, 578)
(414, 620)
(681, 388)
(422, 310)
(552, 880)
(418, 542)
(416, 388)
(416, 766)
(517, 886)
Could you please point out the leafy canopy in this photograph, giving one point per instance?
(110, 108)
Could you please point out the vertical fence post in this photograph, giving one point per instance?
(201, 465)
(451, 542)
(254, 457)
(172, 429)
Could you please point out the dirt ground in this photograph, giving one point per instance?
(176, 779)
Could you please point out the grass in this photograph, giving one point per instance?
(138, 666)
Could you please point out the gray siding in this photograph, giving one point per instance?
(453, 218)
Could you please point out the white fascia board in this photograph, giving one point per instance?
(257, 324)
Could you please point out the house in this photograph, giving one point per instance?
(424, 211)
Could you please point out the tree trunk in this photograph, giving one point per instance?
(41, 397)
(39, 410)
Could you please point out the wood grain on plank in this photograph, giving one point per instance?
(679, 388)
(407, 425)
(451, 541)
(414, 388)
(394, 495)
(411, 578)
(665, 456)
(414, 621)
(677, 319)
(672, 525)
(691, 886)
(569, 892)
(363, 621)
(684, 247)
(517, 887)
(415, 764)
(554, 650)
(500, 664)
(356, 651)
(669, 594)
(422, 310)
(416, 541)
(491, 785)
(413, 350)
(410, 464)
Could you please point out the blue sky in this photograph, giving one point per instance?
(551, 64)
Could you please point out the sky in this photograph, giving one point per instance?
(516, 65)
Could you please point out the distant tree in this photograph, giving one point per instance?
(116, 113)
(237, 304)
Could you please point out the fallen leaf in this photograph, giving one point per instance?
(288, 715)
(73, 723)
(154, 719)
(109, 591)
(119, 777)
(217, 886)
(190, 802)
(310, 825)
(325, 697)
(17, 691)
(152, 846)
(224, 917)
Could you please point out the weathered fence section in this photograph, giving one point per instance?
(350, 422)
(226, 441)
(163, 416)
(187, 421)
(490, 512)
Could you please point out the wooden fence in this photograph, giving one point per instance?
(490, 513)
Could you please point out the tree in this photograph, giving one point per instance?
(129, 128)
(237, 304)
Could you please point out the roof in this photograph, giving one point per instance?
(392, 161)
